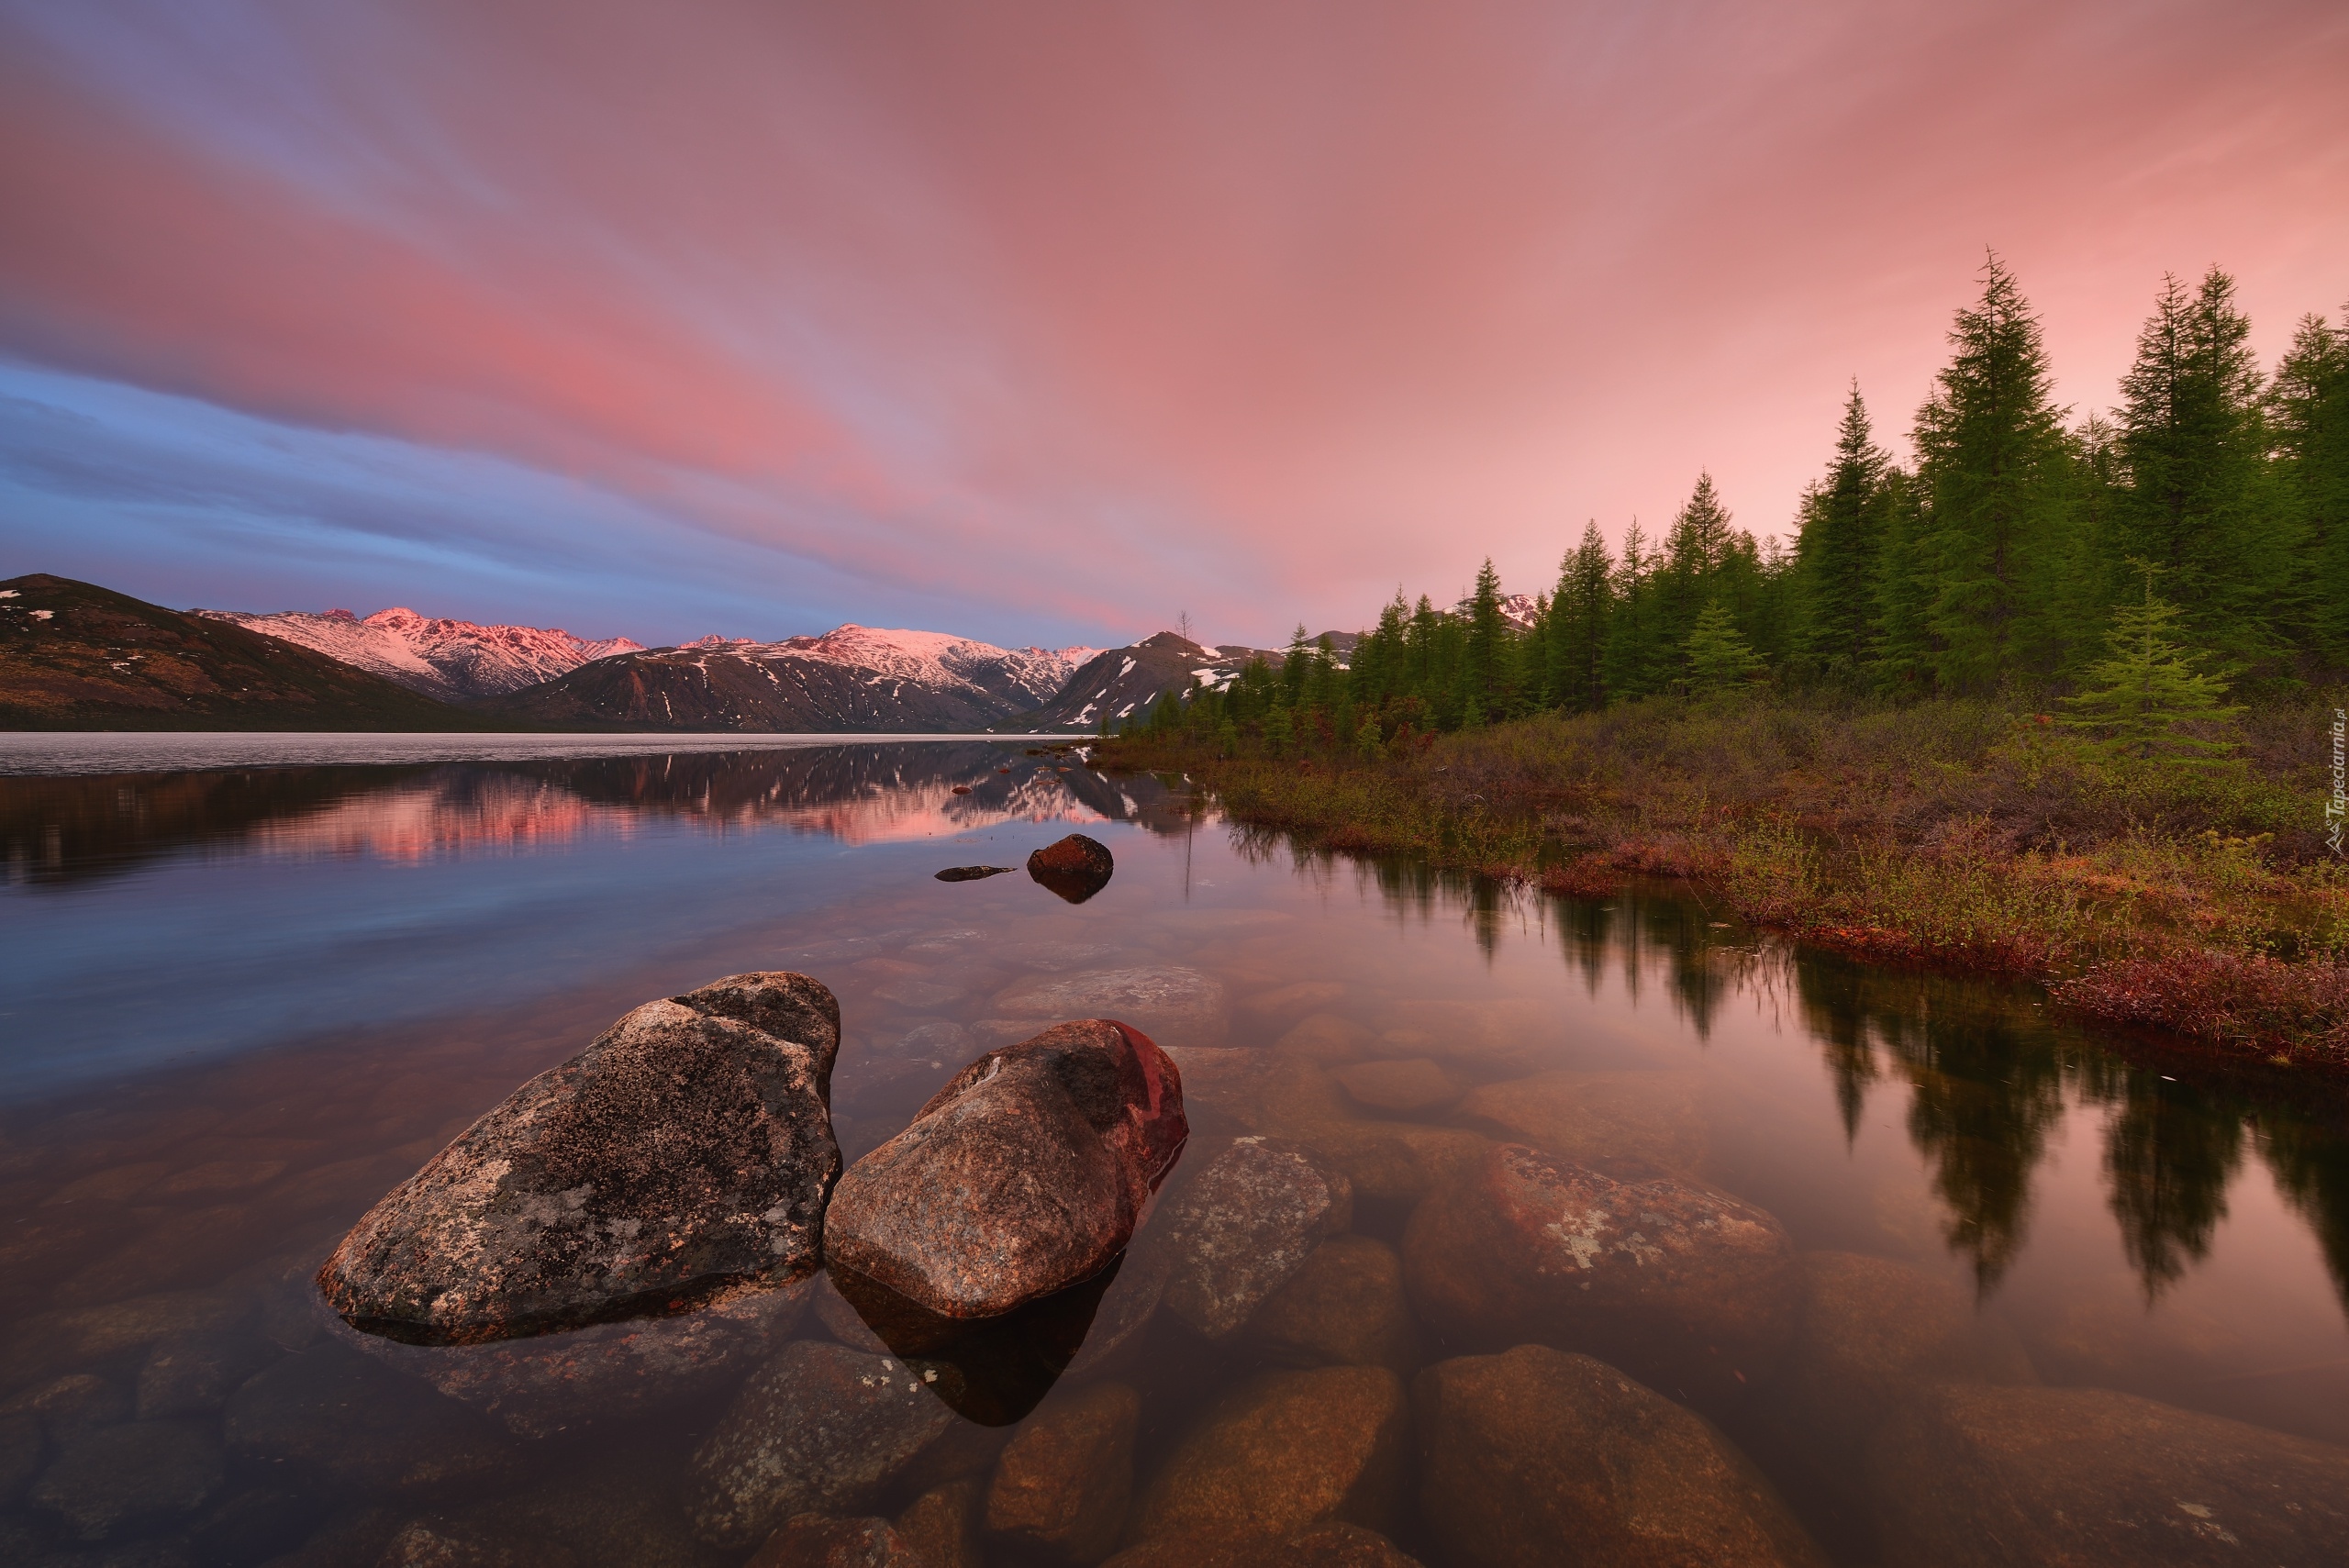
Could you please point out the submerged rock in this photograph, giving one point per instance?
(1076, 867)
(1411, 1085)
(1062, 1486)
(821, 1428)
(1027, 1174)
(1345, 1307)
(1871, 1335)
(1591, 1118)
(1536, 1457)
(1174, 1004)
(1972, 1474)
(683, 1155)
(120, 1481)
(941, 1525)
(334, 1416)
(1334, 1544)
(1285, 1452)
(824, 1540)
(1245, 1225)
(973, 873)
(610, 1371)
(1682, 1286)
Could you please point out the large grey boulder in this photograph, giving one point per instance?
(682, 1157)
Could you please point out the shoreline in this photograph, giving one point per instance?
(2196, 937)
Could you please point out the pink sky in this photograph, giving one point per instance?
(1042, 322)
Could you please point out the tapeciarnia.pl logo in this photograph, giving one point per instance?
(2336, 809)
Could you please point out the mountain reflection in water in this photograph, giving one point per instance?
(242, 1004)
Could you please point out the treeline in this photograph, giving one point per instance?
(1994, 563)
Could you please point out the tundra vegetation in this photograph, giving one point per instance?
(2055, 697)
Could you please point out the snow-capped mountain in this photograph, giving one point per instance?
(851, 680)
(455, 661)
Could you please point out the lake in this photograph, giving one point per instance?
(250, 991)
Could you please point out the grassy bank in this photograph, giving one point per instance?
(2202, 902)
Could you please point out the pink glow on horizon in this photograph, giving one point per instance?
(1096, 313)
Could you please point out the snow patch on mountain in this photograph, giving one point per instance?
(451, 660)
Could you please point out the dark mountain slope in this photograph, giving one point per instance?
(755, 688)
(1125, 682)
(76, 656)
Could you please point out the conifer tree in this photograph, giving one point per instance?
(2146, 686)
(1696, 550)
(1636, 660)
(1989, 452)
(1841, 532)
(1483, 655)
(1718, 656)
(1577, 642)
(2192, 447)
(1900, 657)
(2308, 409)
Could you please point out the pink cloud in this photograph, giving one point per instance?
(1101, 312)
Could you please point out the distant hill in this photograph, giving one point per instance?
(455, 661)
(1124, 681)
(852, 680)
(76, 656)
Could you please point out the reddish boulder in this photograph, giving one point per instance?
(1025, 1175)
(1076, 867)
(1686, 1288)
(682, 1157)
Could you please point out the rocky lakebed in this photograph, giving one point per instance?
(1174, 1270)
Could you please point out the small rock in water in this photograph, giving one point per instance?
(973, 873)
(820, 1429)
(1537, 1457)
(1345, 1307)
(1025, 1175)
(122, 1479)
(1285, 1452)
(1245, 1225)
(824, 1540)
(961, 789)
(683, 1156)
(1063, 1486)
(1684, 1287)
(1973, 1475)
(1076, 867)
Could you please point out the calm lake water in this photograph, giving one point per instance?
(241, 1002)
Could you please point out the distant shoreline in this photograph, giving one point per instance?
(51, 752)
